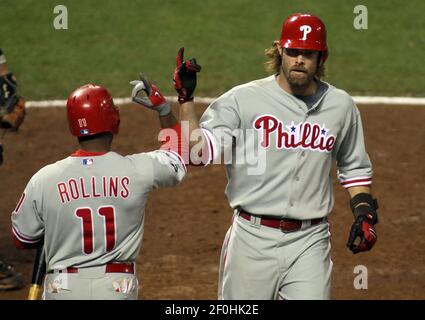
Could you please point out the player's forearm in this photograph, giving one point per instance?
(168, 121)
(358, 189)
(3, 69)
(188, 115)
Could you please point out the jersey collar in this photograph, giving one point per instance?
(85, 153)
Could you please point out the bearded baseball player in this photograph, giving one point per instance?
(89, 207)
(278, 246)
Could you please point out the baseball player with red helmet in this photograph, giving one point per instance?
(89, 207)
(278, 246)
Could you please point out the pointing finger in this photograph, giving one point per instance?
(145, 81)
(179, 58)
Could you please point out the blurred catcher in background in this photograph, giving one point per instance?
(12, 106)
(12, 114)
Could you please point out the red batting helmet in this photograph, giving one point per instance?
(304, 31)
(91, 110)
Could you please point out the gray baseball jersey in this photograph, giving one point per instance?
(298, 143)
(90, 207)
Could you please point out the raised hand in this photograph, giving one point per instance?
(153, 100)
(184, 77)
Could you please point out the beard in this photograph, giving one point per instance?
(298, 79)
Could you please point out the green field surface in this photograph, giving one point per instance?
(109, 42)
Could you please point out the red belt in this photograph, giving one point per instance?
(112, 267)
(284, 224)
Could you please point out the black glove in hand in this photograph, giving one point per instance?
(364, 229)
(12, 107)
(185, 77)
(154, 99)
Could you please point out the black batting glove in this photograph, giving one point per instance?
(184, 77)
(363, 229)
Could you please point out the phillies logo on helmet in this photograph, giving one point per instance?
(306, 29)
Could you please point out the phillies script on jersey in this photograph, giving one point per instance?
(94, 187)
(303, 135)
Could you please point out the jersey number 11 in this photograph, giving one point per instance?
(86, 217)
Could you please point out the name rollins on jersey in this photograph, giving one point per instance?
(82, 188)
(304, 135)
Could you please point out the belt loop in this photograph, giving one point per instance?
(305, 224)
(255, 221)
